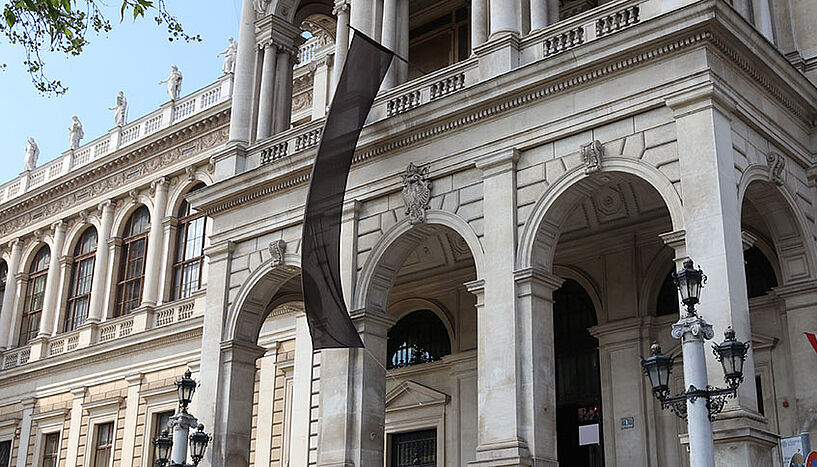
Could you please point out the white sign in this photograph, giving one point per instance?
(588, 434)
(794, 450)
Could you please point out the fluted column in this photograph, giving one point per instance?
(479, 22)
(341, 10)
(10, 296)
(101, 273)
(244, 68)
(389, 40)
(154, 251)
(266, 102)
(283, 91)
(505, 17)
(52, 285)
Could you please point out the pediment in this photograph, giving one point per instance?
(409, 394)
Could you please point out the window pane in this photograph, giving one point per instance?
(5, 453)
(104, 445)
(51, 444)
(160, 422)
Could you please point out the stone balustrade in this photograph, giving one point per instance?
(118, 138)
(140, 320)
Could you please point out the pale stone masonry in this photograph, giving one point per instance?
(574, 153)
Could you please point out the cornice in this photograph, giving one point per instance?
(113, 172)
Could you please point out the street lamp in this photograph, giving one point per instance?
(173, 452)
(701, 402)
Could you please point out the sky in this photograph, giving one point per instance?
(133, 58)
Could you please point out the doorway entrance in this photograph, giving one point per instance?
(578, 384)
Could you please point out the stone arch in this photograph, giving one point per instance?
(121, 216)
(541, 231)
(250, 307)
(378, 273)
(31, 250)
(588, 284)
(178, 193)
(405, 307)
(75, 232)
(298, 11)
(655, 275)
(791, 239)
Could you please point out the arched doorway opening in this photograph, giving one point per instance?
(578, 381)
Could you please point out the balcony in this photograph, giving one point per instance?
(113, 330)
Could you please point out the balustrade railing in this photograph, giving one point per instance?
(119, 137)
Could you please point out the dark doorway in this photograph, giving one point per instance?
(578, 384)
(414, 449)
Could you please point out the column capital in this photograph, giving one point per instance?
(160, 183)
(16, 243)
(677, 240)
(498, 162)
(341, 6)
(78, 392)
(58, 226)
(372, 322)
(692, 328)
(106, 206)
(351, 210)
(220, 250)
(539, 276)
(66, 260)
(134, 379)
(114, 242)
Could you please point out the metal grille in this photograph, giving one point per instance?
(415, 449)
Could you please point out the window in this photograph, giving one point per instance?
(668, 298)
(132, 263)
(51, 450)
(760, 275)
(103, 447)
(160, 422)
(5, 453)
(439, 43)
(419, 337)
(4, 272)
(79, 297)
(414, 449)
(187, 268)
(38, 275)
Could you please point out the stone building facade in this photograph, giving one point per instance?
(573, 153)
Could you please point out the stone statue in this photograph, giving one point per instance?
(229, 57)
(261, 6)
(75, 133)
(32, 154)
(120, 110)
(174, 83)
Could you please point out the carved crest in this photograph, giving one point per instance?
(278, 250)
(190, 171)
(776, 163)
(134, 196)
(83, 217)
(416, 193)
(591, 155)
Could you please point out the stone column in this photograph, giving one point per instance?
(153, 261)
(25, 432)
(503, 434)
(320, 86)
(505, 17)
(232, 431)
(243, 80)
(361, 16)
(266, 102)
(66, 271)
(301, 394)
(75, 425)
(10, 296)
(266, 396)
(763, 18)
(341, 10)
(801, 316)
(479, 22)
(131, 420)
(389, 40)
(543, 13)
(283, 91)
(713, 240)
(52, 286)
(402, 40)
(99, 285)
(353, 397)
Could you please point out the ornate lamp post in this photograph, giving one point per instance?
(700, 402)
(173, 452)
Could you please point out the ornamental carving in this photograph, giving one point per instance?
(278, 250)
(776, 163)
(694, 326)
(416, 193)
(591, 155)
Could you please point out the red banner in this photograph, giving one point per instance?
(813, 339)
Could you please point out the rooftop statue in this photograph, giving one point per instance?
(32, 154)
(174, 83)
(120, 109)
(229, 57)
(75, 133)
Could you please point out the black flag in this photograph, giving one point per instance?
(329, 321)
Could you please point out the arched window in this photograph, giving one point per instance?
(4, 272)
(419, 337)
(189, 262)
(35, 296)
(132, 262)
(760, 275)
(79, 295)
(668, 298)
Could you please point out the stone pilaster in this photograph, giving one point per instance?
(153, 261)
(10, 296)
(99, 285)
(52, 286)
(244, 74)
